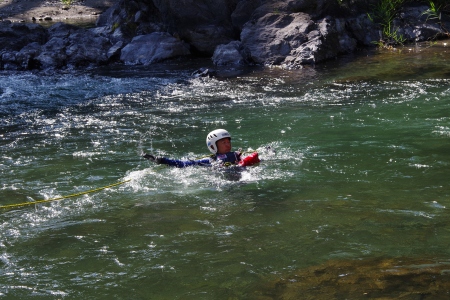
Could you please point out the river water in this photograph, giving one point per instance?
(356, 157)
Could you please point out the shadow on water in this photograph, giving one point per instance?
(374, 278)
(420, 61)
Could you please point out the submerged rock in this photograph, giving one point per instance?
(203, 72)
(378, 278)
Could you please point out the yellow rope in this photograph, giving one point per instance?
(64, 197)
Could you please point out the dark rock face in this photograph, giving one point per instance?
(289, 33)
(15, 36)
(86, 48)
(70, 46)
(203, 24)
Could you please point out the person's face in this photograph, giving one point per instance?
(223, 145)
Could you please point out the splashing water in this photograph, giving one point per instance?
(354, 166)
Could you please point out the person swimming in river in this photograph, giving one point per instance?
(219, 143)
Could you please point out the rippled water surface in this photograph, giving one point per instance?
(356, 158)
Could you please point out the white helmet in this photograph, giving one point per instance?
(214, 136)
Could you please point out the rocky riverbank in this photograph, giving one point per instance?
(289, 34)
(48, 12)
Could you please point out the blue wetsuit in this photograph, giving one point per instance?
(230, 157)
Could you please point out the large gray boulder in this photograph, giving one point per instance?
(290, 39)
(154, 47)
(322, 43)
(272, 37)
(53, 54)
(232, 53)
(85, 48)
(26, 57)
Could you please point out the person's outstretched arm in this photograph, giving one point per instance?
(177, 163)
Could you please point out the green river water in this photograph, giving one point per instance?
(355, 174)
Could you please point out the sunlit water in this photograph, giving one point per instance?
(356, 158)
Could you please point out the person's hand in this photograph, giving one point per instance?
(151, 157)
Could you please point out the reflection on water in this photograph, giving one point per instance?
(353, 181)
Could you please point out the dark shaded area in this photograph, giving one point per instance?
(374, 278)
